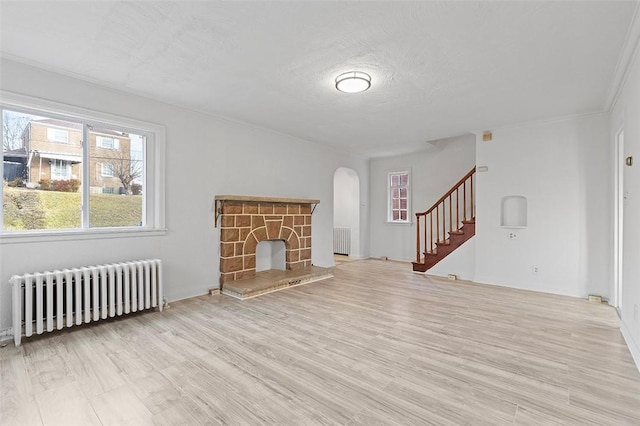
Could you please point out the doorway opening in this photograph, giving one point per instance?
(346, 212)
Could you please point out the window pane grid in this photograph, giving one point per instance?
(399, 197)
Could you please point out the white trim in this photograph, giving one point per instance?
(618, 216)
(625, 61)
(9, 237)
(6, 334)
(154, 186)
(633, 346)
(200, 291)
(390, 209)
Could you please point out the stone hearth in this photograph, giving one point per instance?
(246, 220)
(273, 280)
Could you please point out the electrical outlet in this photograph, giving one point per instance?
(535, 269)
(513, 235)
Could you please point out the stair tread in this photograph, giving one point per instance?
(457, 238)
(465, 229)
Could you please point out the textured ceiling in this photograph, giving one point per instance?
(438, 69)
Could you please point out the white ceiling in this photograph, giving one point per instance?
(438, 69)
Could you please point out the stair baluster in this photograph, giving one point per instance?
(432, 247)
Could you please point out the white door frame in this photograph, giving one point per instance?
(354, 179)
(618, 219)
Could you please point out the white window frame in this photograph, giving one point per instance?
(390, 188)
(53, 132)
(153, 210)
(106, 170)
(54, 166)
(114, 143)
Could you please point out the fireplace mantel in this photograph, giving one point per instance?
(220, 199)
(276, 200)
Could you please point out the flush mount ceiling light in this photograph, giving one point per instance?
(353, 82)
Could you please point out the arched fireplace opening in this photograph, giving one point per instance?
(270, 254)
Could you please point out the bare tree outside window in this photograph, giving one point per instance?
(13, 125)
(127, 169)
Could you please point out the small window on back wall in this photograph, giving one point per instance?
(398, 210)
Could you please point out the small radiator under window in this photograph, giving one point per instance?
(48, 301)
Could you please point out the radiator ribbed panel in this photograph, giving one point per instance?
(63, 298)
(341, 240)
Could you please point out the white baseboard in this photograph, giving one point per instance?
(633, 346)
(357, 257)
(181, 295)
(6, 334)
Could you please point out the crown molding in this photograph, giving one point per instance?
(625, 61)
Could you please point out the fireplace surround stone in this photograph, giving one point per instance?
(247, 220)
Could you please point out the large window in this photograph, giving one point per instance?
(106, 175)
(398, 199)
(60, 170)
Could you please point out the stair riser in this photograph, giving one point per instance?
(443, 250)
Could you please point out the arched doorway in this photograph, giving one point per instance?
(346, 210)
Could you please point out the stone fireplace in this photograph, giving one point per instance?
(245, 221)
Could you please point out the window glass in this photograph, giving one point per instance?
(48, 171)
(107, 170)
(107, 143)
(57, 135)
(43, 177)
(116, 169)
(398, 197)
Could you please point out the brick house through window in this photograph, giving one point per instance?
(54, 152)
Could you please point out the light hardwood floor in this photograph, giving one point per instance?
(376, 344)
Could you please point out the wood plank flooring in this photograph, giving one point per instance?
(376, 344)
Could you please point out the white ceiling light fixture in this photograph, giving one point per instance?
(353, 82)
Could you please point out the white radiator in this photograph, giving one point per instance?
(341, 240)
(45, 301)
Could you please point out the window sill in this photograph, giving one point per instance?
(75, 235)
(391, 222)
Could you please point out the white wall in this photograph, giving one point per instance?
(461, 262)
(433, 171)
(563, 168)
(205, 156)
(625, 114)
(346, 205)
